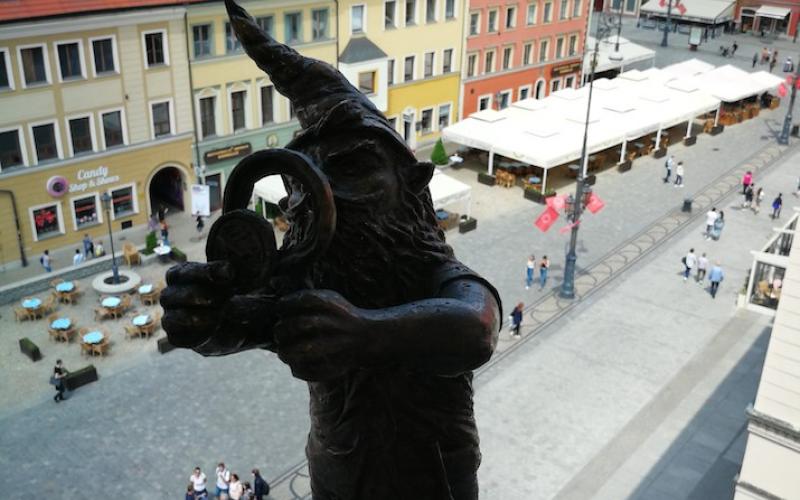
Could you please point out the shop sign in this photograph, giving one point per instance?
(92, 178)
(565, 69)
(228, 153)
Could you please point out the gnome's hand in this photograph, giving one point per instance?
(320, 334)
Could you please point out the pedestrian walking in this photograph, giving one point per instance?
(772, 64)
(747, 180)
(788, 65)
(46, 261)
(711, 218)
(223, 481)
(88, 247)
(689, 261)
(669, 164)
(755, 59)
(544, 266)
(719, 224)
(236, 488)
(734, 48)
(748, 197)
(777, 204)
(190, 493)
(679, 175)
(248, 491)
(715, 276)
(165, 232)
(200, 224)
(758, 197)
(702, 267)
(162, 212)
(198, 481)
(59, 372)
(516, 321)
(530, 269)
(260, 486)
(78, 258)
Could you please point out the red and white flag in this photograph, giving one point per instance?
(547, 219)
(557, 202)
(569, 227)
(681, 8)
(595, 204)
(782, 90)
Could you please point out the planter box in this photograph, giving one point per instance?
(535, 196)
(717, 130)
(84, 376)
(28, 348)
(624, 166)
(467, 225)
(487, 179)
(178, 256)
(164, 346)
(690, 141)
(660, 153)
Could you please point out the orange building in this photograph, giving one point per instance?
(521, 49)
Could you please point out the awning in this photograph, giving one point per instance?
(773, 12)
(270, 189)
(702, 11)
(631, 53)
(445, 191)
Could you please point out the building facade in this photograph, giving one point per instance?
(91, 104)
(237, 110)
(406, 56)
(521, 49)
(779, 17)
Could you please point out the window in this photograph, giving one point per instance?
(444, 116)
(357, 19)
(527, 54)
(80, 133)
(411, 12)
(543, 46)
(426, 122)
(474, 23)
(69, 60)
(238, 121)
(103, 52)
(524, 92)
(319, 24)
(511, 17)
(408, 69)
(390, 72)
(555, 85)
(562, 14)
(201, 36)
(85, 211)
(293, 27)
(472, 62)
(208, 122)
(46, 221)
(548, 12)
(34, 65)
(366, 82)
(484, 102)
(559, 48)
(10, 149)
(447, 61)
(232, 43)
(573, 44)
(569, 81)
(505, 99)
(492, 21)
(450, 9)
(390, 14)
(430, 11)
(630, 5)
(122, 202)
(488, 65)
(6, 81)
(428, 72)
(161, 119)
(507, 57)
(531, 19)
(576, 8)
(154, 48)
(267, 104)
(539, 89)
(267, 24)
(45, 142)
(113, 132)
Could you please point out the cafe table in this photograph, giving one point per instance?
(61, 324)
(33, 303)
(111, 302)
(145, 289)
(65, 287)
(94, 337)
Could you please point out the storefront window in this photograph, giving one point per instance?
(85, 211)
(46, 221)
(10, 150)
(122, 202)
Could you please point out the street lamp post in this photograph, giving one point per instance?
(787, 122)
(106, 199)
(666, 26)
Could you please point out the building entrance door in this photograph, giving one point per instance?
(166, 191)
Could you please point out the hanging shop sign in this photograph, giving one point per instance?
(92, 178)
(565, 69)
(228, 153)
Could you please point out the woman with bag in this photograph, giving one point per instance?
(544, 265)
(59, 372)
(719, 223)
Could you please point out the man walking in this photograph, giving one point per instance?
(689, 261)
(777, 204)
(702, 266)
(516, 320)
(529, 272)
(59, 372)
(223, 480)
(88, 247)
(679, 175)
(715, 277)
(46, 262)
(668, 166)
(198, 480)
(260, 486)
(755, 59)
(78, 258)
(711, 218)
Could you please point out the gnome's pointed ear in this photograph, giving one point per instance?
(418, 175)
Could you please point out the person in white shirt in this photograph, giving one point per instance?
(223, 479)
(198, 480)
(689, 262)
(679, 175)
(702, 267)
(78, 258)
(236, 489)
(711, 218)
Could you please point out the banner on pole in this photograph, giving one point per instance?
(547, 219)
(201, 200)
(595, 204)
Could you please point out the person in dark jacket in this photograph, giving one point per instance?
(260, 486)
(59, 372)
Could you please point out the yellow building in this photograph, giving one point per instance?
(237, 110)
(406, 55)
(91, 104)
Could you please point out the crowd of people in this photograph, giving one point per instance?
(91, 249)
(228, 485)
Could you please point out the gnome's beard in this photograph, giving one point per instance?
(379, 260)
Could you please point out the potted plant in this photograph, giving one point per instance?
(534, 193)
(150, 242)
(439, 155)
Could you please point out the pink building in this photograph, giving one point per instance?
(521, 48)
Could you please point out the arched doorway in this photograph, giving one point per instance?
(540, 89)
(166, 190)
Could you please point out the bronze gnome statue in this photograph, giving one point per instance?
(364, 300)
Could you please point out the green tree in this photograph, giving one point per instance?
(439, 155)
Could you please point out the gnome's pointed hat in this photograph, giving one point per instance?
(314, 87)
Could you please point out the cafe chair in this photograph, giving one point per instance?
(132, 331)
(85, 348)
(55, 282)
(131, 254)
(22, 314)
(103, 347)
(102, 313)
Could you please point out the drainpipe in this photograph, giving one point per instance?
(22, 257)
(198, 165)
